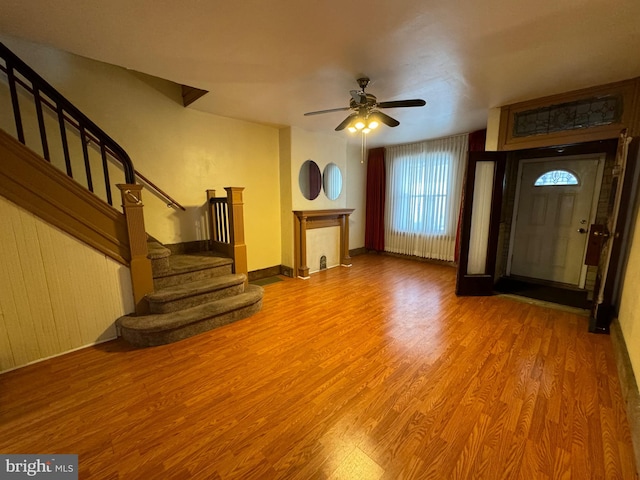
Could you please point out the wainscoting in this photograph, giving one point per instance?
(56, 293)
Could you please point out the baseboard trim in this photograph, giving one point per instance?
(265, 273)
(629, 386)
(39, 360)
(416, 258)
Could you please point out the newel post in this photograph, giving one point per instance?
(140, 265)
(236, 229)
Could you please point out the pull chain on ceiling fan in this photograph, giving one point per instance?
(366, 114)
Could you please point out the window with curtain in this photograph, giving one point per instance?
(424, 185)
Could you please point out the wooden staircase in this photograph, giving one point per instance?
(175, 296)
(192, 294)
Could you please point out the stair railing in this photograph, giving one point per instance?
(24, 81)
(226, 226)
(20, 74)
(48, 100)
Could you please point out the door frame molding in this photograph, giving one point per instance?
(479, 284)
(600, 157)
(605, 311)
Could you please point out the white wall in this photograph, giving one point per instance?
(298, 146)
(322, 149)
(56, 293)
(356, 195)
(183, 151)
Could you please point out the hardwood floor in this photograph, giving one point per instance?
(374, 371)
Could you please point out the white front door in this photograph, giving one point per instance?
(555, 205)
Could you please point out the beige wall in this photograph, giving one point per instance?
(186, 152)
(56, 294)
(629, 315)
(182, 150)
(286, 197)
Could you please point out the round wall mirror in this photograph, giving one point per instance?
(332, 181)
(310, 180)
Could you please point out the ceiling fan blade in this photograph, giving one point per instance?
(345, 122)
(319, 112)
(402, 103)
(387, 120)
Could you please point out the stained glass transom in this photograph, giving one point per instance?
(556, 178)
(589, 112)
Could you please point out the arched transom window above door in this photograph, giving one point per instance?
(556, 178)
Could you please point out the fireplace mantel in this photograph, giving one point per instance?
(308, 219)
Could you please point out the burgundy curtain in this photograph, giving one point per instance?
(376, 185)
(477, 142)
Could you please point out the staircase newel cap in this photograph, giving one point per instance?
(131, 194)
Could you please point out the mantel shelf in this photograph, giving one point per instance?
(308, 219)
(324, 213)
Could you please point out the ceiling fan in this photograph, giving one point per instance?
(366, 113)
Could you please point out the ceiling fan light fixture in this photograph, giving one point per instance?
(365, 108)
(373, 120)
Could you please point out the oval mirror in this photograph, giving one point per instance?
(310, 180)
(332, 181)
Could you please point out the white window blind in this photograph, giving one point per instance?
(424, 185)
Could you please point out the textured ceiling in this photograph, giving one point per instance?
(271, 61)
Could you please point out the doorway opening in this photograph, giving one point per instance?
(551, 198)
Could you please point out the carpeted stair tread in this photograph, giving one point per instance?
(191, 289)
(133, 327)
(156, 250)
(191, 263)
(194, 293)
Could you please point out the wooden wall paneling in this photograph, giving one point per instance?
(7, 305)
(19, 322)
(59, 278)
(32, 264)
(42, 189)
(6, 355)
(9, 356)
(105, 323)
(85, 300)
(56, 294)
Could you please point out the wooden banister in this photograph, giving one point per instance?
(140, 265)
(226, 226)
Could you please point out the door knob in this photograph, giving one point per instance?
(582, 230)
